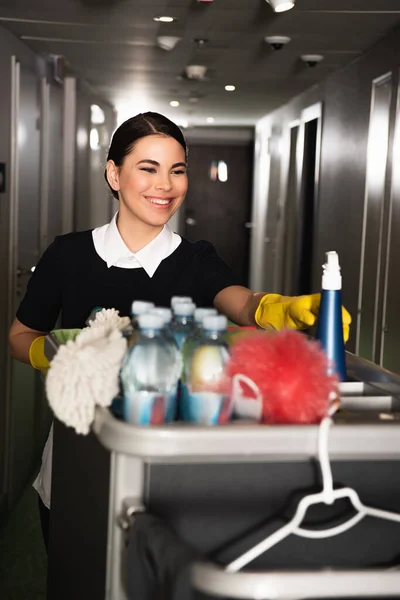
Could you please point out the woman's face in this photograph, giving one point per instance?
(152, 181)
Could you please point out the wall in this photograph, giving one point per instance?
(346, 102)
(9, 46)
(24, 414)
(93, 201)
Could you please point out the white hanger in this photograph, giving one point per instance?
(327, 496)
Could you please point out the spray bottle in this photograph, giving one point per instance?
(330, 327)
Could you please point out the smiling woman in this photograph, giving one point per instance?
(136, 256)
(151, 184)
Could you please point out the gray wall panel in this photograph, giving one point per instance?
(346, 99)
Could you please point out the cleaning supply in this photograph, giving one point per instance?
(85, 373)
(205, 398)
(183, 323)
(293, 312)
(280, 377)
(329, 328)
(149, 374)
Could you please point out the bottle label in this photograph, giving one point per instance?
(148, 408)
(204, 408)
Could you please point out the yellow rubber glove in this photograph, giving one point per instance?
(293, 312)
(37, 356)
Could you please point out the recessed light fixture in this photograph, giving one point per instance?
(174, 103)
(167, 42)
(281, 5)
(312, 60)
(210, 120)
(230, 88)
(164, 19)
(277, 42)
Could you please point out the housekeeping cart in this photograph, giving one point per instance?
(223, 489)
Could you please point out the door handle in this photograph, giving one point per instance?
(190, 221)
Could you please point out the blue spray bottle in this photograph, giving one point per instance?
(330, 327)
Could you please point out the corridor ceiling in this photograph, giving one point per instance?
(113, 45)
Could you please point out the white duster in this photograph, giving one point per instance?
(85, 372)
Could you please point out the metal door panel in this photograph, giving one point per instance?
(372, 256)
(26, 182)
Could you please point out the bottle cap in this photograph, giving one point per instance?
(200, 313)
(140, 306)
(184, 309)
(179, 299)
(164, 313)
(150, 321)
(215, 323)
(331, 277)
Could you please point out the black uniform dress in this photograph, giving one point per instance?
(71, 279)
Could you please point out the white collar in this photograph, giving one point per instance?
(112, 249)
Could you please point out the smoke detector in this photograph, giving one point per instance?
(167, 42)
(196, 72)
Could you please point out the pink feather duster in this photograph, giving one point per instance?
(291, 372)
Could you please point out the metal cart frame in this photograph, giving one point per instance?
(126, 452)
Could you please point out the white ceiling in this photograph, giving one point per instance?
(112, 44)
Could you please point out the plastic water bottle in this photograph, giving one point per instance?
(204, 398)
(330, 326)
(139, 307)
(183, 323)
(178, 300)
(149, 374)
(197, 331)
(166, 315)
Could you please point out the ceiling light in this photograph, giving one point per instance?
(312, 60)
(196, 71)
(210, 120)
(277, 41)
(230, 88)
(164, 19)
(281, 5)
(167, 42)
(174, 103)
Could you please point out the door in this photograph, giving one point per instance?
(289, 217)
(218, 203)
(375, 224)
(389, 356)
(25, 381)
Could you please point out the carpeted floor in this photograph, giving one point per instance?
(23, 559)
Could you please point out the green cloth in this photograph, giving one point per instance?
(64, 335)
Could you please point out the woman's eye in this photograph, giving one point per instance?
(179, 172)
(148, 169)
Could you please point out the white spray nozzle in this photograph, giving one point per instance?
(332, 260)
(331, 278)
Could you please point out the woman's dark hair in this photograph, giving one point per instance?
(135, 128)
